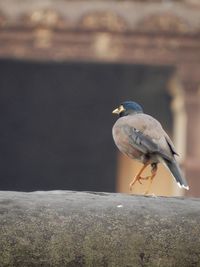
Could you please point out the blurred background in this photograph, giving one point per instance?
(65, 65)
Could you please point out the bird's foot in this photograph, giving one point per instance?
(137, 179)
(151, 180)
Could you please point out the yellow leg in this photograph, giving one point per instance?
(138, 176)
(153, 171)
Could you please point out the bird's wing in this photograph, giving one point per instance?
(171, 145)
(147, 135)
(145, 143)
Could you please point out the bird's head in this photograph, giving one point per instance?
(128, 107)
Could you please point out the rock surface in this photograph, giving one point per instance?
(66, 228)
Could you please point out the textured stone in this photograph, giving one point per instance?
(63, 228)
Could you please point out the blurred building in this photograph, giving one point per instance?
(66, 64)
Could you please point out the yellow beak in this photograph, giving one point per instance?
(118, 110)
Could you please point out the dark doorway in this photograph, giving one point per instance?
(56, 121)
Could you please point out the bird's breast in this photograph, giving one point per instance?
(122, 141)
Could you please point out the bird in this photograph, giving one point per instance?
(141, 137)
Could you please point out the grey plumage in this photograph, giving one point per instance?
(142, 137)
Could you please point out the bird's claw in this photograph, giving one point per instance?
(137, 179)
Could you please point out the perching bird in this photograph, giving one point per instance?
(141, 137)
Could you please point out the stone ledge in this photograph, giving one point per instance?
(65, 228)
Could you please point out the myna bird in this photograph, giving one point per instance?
(141, 137)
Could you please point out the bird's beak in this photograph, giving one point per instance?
(118, 110)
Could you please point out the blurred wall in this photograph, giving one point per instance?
(56, 121)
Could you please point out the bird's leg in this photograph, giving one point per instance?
(138, 176)
(153, 174)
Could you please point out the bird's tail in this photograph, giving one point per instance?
(177, 174)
